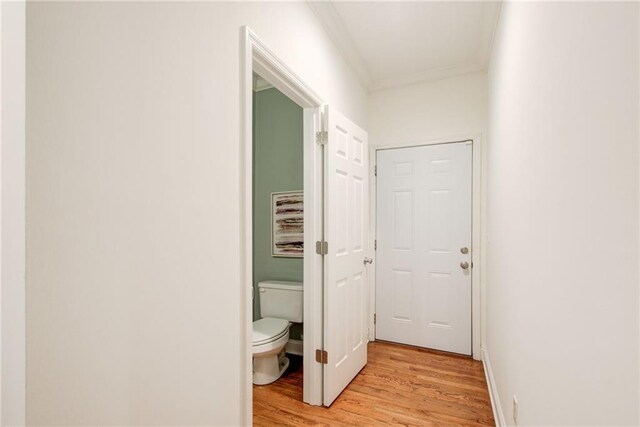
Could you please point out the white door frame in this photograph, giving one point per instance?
(256, 56)
(1, 143)
(12, 206)
(477, 236)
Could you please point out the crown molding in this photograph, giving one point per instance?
(490, 19)
(426, 76)
(335, 28)
(337, 31)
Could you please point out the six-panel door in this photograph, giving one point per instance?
(346, 227)
(423, 269)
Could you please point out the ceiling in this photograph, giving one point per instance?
(395, 43)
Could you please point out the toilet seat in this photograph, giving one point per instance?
(268, 329)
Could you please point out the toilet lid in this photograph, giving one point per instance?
(267, 329)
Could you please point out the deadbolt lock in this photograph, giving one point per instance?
(464, 250)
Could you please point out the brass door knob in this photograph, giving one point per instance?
(464, 265)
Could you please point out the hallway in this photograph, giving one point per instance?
(452, 175)
(399, 385)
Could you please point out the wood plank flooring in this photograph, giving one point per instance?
(401, 385)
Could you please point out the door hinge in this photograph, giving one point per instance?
(374, 318)
(375, 245)
(375, 170)
(322, 357)
(322, 137)
(322, 247)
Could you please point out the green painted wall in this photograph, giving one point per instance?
(277, 166)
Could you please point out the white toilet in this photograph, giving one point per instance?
(280, 304)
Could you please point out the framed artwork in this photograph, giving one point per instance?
(287, 224)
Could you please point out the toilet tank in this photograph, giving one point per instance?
(282, 300)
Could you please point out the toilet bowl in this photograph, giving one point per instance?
(270, 337)
(280, 304)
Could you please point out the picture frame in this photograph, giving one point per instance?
(287, 224)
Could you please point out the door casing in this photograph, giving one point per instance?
(477, 235)
(256, 56)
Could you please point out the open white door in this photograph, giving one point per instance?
(346, 227)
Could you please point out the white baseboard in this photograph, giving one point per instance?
(498, 415)
(295, 347)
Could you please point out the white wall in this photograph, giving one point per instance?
(133, 203)
(429, 111)
(12, 217)
(562, 297)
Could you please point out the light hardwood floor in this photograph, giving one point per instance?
(401, 385)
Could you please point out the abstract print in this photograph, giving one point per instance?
(287, 224)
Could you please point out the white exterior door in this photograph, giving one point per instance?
(346, 226)
(423, 258)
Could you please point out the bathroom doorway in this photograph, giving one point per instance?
(278, 240)
(261, 69)
(335, 254)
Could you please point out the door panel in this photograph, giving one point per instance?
(346, 225)
(423, 295)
